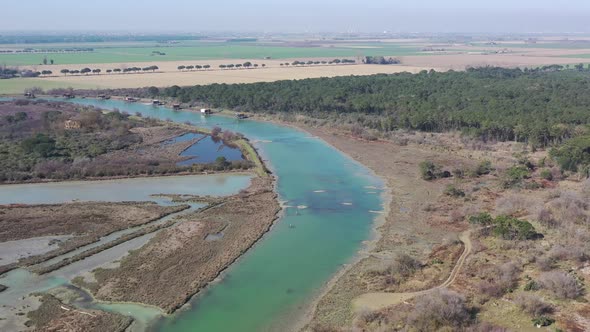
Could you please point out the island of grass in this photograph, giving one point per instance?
(56, 141)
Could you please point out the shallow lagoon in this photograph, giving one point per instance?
(270, 286)
(21, 282)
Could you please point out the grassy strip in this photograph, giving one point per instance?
(19, 85)
(251, 154)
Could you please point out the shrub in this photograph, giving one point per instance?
(543, 321)
(510, 228)
(545, 217)
(485, 167)
(438, 309)
(40, 144)
(22, 102)
(561, 284)
(403, 267)
(215, 131)
(406, 265)
(453, 191)
(545, 263)
(515, 175)
(483, 219)
(573, 154)
(533, 305)
(499, 279)
(531, 286)
(547, 174)
(430, 171)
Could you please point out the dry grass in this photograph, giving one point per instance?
(168, 74)
(496, 268)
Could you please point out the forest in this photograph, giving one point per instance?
(538, 106)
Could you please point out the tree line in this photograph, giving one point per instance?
(536, 106)
(245, 65)
(316, 62)
(6, 73)
(97, 71)
(191, 67)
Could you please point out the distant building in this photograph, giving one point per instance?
(72, 124)
(205, 111)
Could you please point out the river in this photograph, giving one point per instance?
(330, 203)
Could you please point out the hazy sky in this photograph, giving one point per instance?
(297, 15)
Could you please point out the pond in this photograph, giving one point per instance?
(206, 150)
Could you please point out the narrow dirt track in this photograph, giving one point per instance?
(380, 300)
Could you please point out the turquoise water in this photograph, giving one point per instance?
(268, 288)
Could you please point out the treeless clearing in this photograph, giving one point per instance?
(169, 76)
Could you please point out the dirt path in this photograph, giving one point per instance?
(380, 300)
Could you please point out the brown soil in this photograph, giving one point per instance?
(425, 223)
(79, 219)
(181, 260)
(86, 221)
(408, 228)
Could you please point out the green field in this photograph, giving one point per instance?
(202, 51)
(18, 85)
(557, 45)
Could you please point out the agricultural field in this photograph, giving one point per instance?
(199, 50)
(18, 85)
(414, 55)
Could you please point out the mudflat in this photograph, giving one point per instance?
(61, 228)
(182, 259)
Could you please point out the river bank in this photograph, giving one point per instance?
(425, 242)
(402, 228)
